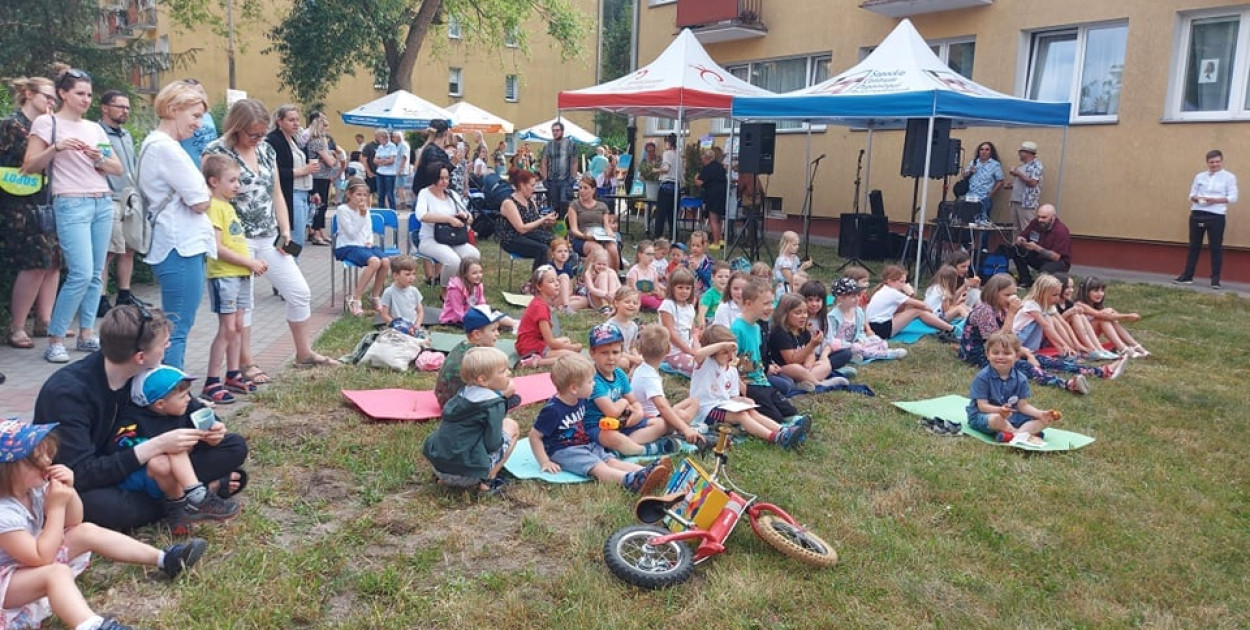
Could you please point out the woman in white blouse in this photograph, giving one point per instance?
(436, 204)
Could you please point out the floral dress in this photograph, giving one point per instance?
(22, 245)
(254, 203)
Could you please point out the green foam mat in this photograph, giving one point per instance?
(954, 409)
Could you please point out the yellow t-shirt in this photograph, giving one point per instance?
(224, 218)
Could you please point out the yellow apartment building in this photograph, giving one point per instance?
(504, 82)
(1154, 86)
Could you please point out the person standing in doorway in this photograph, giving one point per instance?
(1210, 194)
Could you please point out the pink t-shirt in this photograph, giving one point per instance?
(72, 171)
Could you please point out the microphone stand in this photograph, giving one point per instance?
(807, 211)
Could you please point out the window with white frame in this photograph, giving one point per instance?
(661, 126)
(455, 82)
(780, 75)
(1211, 67)
(509, 144)
(956, 53)
(1082, 65)
(453, 27)
(511, 88)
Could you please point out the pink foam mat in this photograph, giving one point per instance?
(406, 405)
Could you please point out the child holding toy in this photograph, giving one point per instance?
(613, 397)
(999, 397)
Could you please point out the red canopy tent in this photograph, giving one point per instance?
(683, 83)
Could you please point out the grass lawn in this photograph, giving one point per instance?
(343, 526)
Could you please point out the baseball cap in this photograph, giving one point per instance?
(846, 286)
(18, 439)
(479, 317)
(155, 384)
(604, 334)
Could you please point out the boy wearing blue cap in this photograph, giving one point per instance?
(613, 397)
(162, 403)
(481, 330)
(42, 533)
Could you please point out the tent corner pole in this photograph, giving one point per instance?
(924, 200)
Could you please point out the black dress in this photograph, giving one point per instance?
(22, 245)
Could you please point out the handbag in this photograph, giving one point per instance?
(44, 212)
(961, 186)
(449, 235)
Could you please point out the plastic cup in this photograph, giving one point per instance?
(203, 419)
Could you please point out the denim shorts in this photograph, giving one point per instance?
(460, 481)
(981, 421)
(230, 295)
(358, 255)
(580, 459)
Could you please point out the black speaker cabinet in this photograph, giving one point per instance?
(877, 203)
(945, 156)
(756, 147)
(864, 236)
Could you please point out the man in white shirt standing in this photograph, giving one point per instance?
(387, 161)
(1210, 194)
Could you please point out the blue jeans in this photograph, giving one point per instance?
(182, 288)
(84, 226)
(300, 216)
(386, 191)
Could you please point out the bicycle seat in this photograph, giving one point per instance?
(651, 509)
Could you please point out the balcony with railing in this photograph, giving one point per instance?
(908, 8)
(714, 21)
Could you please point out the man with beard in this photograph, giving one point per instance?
(1045, 244)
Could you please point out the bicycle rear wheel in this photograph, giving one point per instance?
(631, 557)
(795, 542)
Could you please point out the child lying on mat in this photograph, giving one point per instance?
(560, 442)
(999, 404)
(481, 330)
(475, 437)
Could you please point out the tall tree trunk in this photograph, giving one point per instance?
(401, 73)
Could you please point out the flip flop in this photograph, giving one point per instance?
(316, 360)
(18, 339)
(223, 484)
(254, 374)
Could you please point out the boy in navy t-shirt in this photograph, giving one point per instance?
(560, 442)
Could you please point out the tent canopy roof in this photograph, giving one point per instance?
(901, 79)
(542, 132)
(398, 110)
(470, 117)
(682, 80)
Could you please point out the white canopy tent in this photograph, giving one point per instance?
(542, 132)
(470, 117)
(401, 110)
(683, 84)
(902, 79)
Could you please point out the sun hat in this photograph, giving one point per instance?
(604, 334)
(155, 384)
(479, 317)
(1029, 146)
(18, 439)
(846, 286)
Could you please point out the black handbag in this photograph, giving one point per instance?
(449, 235)
(961, 186)
(44, 214)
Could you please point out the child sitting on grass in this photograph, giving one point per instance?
(229, 283)
(44, 544)
(162, 404)
(789, 273)
(731, 304)
(757, 299)
(677, 315)
(464, 291)
(624, 309)
(481, 330)
(648, 386)
(699, 262)
(799, 353)
(1091, 299)
(848, 326)
(560, 253)
(999, 397)
(659, 262)
(560, 442)
(946, 297)
(894, 306)
(711, 298)
(400, 307)
(862, 278)
(614, 398)
(676, 259)
(354, 243)
(1038, 319)
(643, 279)
(538, 338)
(475, 437)
(601, 280)
(1076, 325)
(716, 386)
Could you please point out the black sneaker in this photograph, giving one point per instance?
(1183, 280)
(947, 336)
(182, 556)
(1215, 286)
(104, 307)
(213, 508)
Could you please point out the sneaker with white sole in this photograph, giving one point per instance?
(56, 353)
(1078, 385)
(1117, 368)
(835, 381)
(896, 353)
(87, 345)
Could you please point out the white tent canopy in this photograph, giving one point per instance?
(398, 110)
(542, 132)
(470, 117)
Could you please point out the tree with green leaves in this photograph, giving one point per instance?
(321, 40)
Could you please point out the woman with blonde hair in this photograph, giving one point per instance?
(83, 205)
(318, 148)
(23, 246)
(266, 224)
(175, 195)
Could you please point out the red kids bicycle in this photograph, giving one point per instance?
(702, 508)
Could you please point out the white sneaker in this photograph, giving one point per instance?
(896, 353)
(835, 381)
(56, 353)
(1118, 370)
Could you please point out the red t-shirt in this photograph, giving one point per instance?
(529, 339)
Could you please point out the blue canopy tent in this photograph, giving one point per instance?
(902, 79)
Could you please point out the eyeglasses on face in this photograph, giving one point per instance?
(124, 108)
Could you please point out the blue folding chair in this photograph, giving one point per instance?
(690, 212)
(346, 268)
(385, 219)
(414, 233)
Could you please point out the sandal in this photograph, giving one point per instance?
(315, 360)
(217, 393)
(254, 374)
(223, 484)
(240, 385)
(18, 339)
(353, 307)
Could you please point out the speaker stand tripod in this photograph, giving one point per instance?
(750, 237)
(913, 234)
(807, 210)
(853, 260)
